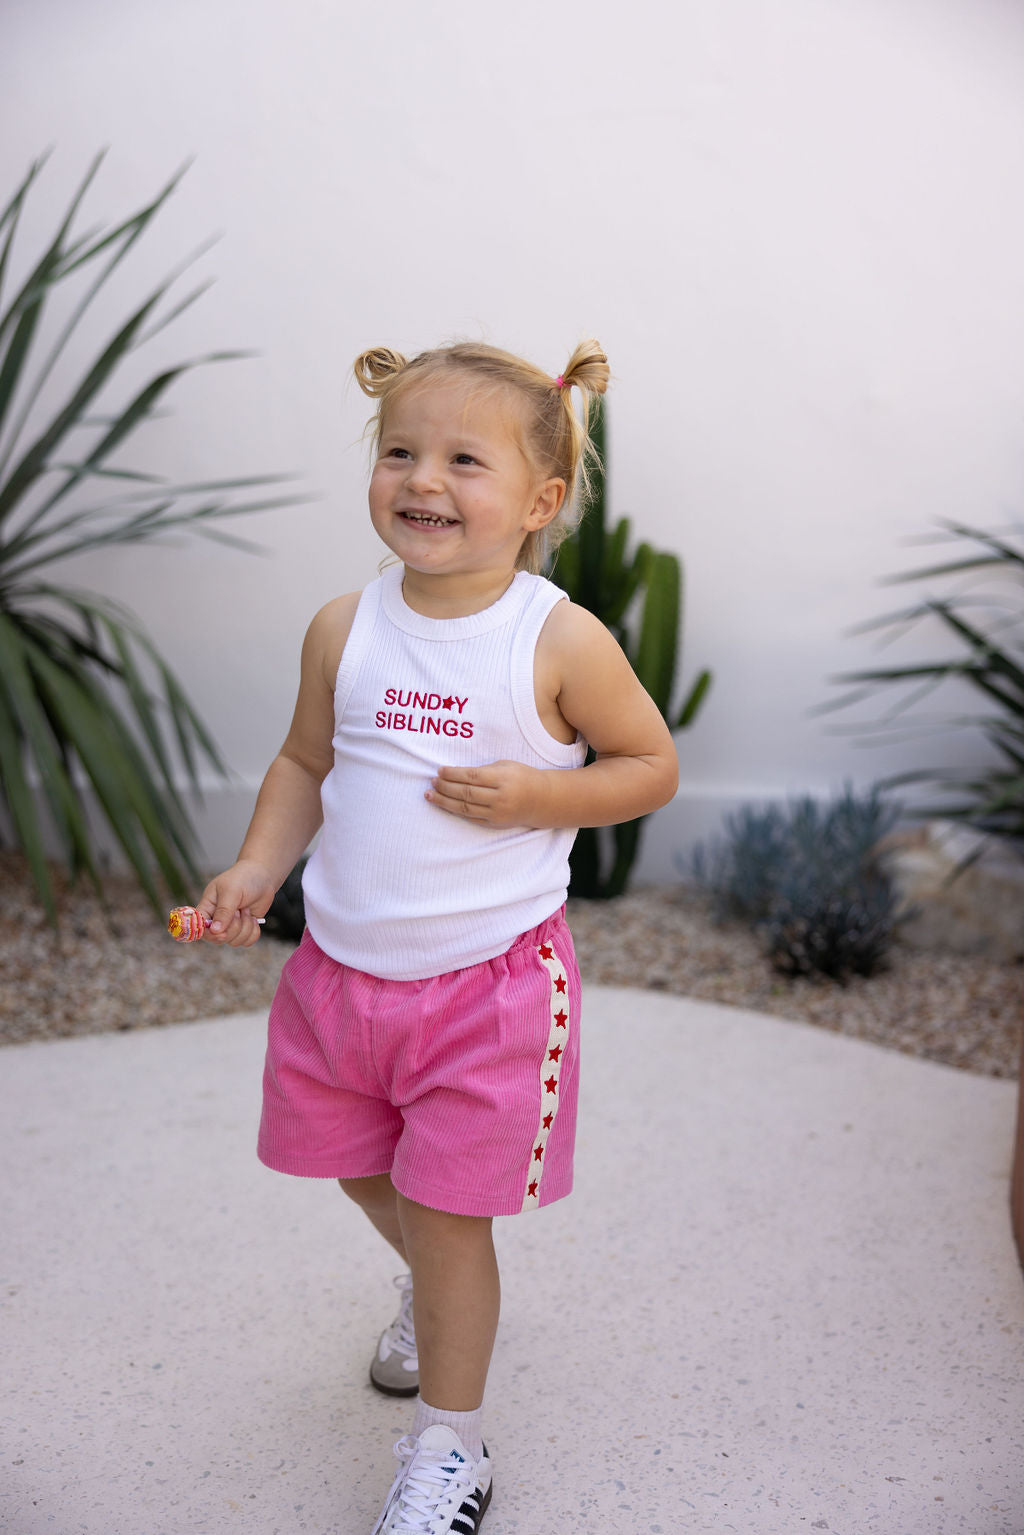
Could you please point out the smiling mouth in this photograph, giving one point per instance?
(427, 519)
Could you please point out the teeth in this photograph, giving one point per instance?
(430, 522)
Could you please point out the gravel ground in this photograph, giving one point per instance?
(118, 969)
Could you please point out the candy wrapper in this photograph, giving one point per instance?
(187, 925)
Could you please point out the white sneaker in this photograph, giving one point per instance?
(395, 1369)
(439, 1489)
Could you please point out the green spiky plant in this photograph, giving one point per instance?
(87, 703)
(637, 594)
(983, 623)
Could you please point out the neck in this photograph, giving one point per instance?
(454, 596)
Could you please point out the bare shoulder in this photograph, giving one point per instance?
(328, 633)
(573, 636)
(579, 670)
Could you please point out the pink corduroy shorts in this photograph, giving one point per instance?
(461, 1086)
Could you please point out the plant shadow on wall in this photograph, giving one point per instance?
(983, 617)
(86, 700)
(637, 594)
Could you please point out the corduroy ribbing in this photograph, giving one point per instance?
(442, 1082)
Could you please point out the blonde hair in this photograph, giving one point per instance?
(557, 438)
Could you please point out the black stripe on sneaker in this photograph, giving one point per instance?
(467, 1520)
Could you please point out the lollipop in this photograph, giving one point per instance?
(187, 925)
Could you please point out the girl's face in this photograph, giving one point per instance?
(452, 491)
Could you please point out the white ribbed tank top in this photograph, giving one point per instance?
(397, 887)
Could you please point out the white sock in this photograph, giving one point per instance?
(465, 1424)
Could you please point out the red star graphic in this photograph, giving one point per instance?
(546, 952)
(446, 703)
(538, 1152)
(560, 1019)
(531, 1192)
(551, 1084)
(560, 984)
(546, 1121)
(555, 1053)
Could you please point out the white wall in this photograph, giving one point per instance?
(796, 228)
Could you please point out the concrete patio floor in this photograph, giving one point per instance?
(783, 1297)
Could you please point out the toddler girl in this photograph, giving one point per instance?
(423, 1042)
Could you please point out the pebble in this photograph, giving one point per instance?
(116, 968)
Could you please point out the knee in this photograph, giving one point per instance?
(375, 1193)
(420, 1221)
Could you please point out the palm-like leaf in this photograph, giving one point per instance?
(989, 659)
(86, 701)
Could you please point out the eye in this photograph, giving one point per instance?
(465, 458)
(393, 452)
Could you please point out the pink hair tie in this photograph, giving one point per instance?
(560, 381)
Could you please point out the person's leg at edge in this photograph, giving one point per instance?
(378, 1199)
(456, 1300)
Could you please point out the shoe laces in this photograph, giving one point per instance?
(429, 1490)
(400, 1335)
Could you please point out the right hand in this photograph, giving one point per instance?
(233, 900)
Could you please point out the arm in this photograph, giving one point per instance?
(288, 811)
(591, 687)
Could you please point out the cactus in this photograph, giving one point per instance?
(638, 597)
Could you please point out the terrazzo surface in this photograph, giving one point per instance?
(783, 1297)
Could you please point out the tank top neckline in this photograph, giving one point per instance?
(470, 624)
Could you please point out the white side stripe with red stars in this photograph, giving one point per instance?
(550, 1072)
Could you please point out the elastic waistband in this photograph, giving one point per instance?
(537, 934)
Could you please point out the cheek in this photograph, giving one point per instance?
(379, 491)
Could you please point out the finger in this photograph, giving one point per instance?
(478, 785)
(469, 808)
(248, 931)
(228, 921)
(224, 920)
(464, 793)
(482, 777)
(242, 931)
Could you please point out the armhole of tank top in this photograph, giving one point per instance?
(355, 647)
(521, 677)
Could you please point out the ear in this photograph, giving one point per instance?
(547, 503)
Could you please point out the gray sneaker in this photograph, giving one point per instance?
(395, 1369)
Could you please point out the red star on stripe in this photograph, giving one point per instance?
(555, 1053)
(538, 1152)
(446, 703)
(546, 1121)
(560, 984)
(546, 952)
(531, 1192)
(551, 1084)
(560, 1019)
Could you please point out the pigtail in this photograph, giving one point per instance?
(556, 432)
(587, 370)
(374, 369)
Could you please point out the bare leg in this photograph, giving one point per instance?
(378, 1198)
(456, 1299)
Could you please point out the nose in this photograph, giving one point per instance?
(424, 475)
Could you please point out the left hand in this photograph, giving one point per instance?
(500, 794)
